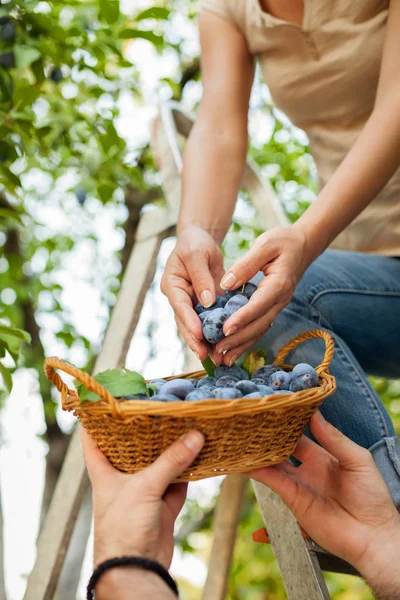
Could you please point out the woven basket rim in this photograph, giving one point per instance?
(210, 408)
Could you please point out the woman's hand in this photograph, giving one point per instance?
(281, 255)
(340, 499)
(135, 514)
(192, 275)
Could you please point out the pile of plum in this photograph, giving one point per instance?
(213, 318)
(233, 382)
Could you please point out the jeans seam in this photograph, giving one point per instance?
(351, 291)
(367, 393)
(391, 448)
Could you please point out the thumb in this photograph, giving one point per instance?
(198, 267)
(173, 461)
(246, 267)
(348, 453)
(97, 463)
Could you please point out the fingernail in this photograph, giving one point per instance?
(198, 356)
(228, 281)
(319, 415)
(231, 330)
(194, 440)
(231, 361)
(206, 299)
(223, 350)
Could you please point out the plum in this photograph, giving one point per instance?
(280, 380)
(178, 387)
(303, 382)
(213, 324)
(207, 380)
(234, 371)
(226, 393)
(246, 387)
(227, 381)
(235, 303)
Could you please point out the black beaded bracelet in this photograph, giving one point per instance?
(131, 561)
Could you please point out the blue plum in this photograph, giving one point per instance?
(246, 387)
(177, 387)
(280, 380)
(231, 293)
(249, 289)
(235, 303)
(303, 382)
(260, 380)
(282, 392)
(226, 393)
(265, 372)
(207, 380)
(156, 384)
(213, 324)
(253, 395)
(203, 315)
(220, 302)
(302, 369)
(199, 394)
(193, 380)
(234, 371)
(165, 398)
(199, 308)
(227, 381)
(265, 390)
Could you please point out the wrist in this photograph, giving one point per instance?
(121, 583)
(379, 565)
(217, 232)
(315, 238)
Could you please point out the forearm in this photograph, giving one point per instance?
(366, 169)
(381, 568)
(128, 583)
(212, 173)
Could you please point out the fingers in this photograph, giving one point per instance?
(307, 450)
(279, 481)
(348, 453)
(199, 348)
(245, 268)
(236, 344)
(171, 463)
(270, 298)
(197, 263)
(97, 463)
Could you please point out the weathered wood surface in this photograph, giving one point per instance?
(226, 520)
(300, 570)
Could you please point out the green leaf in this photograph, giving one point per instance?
(7, 214)
(109, 10)
(25, 56)
(254, 361)
(14, 332)
(155, 12)
(209, 366)
(7, 379)
(129, 34)
(118, 383)
(25, 93)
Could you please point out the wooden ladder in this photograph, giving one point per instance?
(299, 560)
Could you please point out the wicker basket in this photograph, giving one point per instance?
(240, 434)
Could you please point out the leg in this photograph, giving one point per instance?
(357, 298)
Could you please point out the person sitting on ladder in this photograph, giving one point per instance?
(333, 68)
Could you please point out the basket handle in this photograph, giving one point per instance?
(308, 335)
(52, 363)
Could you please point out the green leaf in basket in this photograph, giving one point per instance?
(254, 361)
(117, 382)
(209, 366)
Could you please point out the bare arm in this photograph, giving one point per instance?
(372, 160)
(216, 150)
(213, 168)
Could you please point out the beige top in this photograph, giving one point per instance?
(324, 76)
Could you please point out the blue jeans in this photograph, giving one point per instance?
(356, 297)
